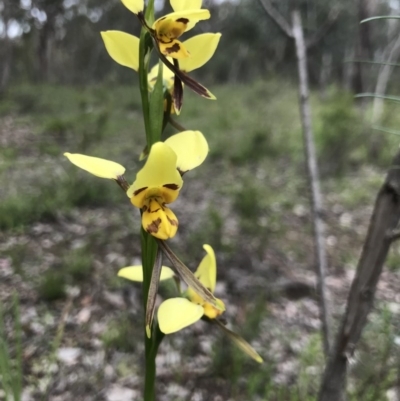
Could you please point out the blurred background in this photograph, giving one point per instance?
(65, 234)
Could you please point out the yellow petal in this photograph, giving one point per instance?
(135, 273)
(190, 147)
(159, 220)
(180, 5)
(168, 77)
(207, 270)
(174, 48)
(160, 173)
(201, 48)
(136, 6)
(174, 314)
(172, 25)
(122, 48)
(211, 311)
(96, 166)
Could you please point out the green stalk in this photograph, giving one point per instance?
(149, 250)
(153, 113)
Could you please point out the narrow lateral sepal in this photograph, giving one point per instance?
(239, 341)
(188, 277)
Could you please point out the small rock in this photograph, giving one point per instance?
(69, 356)
(118, 393)
(83, 316)
(114, 299)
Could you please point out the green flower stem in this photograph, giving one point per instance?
(153, 114)
(149, 251)
(144, 56)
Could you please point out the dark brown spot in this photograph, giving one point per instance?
(144, 208)
(183, 20)
(138, 191)
(174, 187)
(173, 49)
(172, 222)
(153, 227)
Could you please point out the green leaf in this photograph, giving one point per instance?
(371, 62)
(392, 98)
(380, 17)
(145, 47)
(386, 130)
(149, 14)
(157, 107)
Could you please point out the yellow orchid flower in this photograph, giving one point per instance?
(201, 48)
(170, 27)
(174, 314)
(123, 48)
(167, 29)
(158, 183)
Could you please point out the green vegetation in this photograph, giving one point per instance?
(11, 355)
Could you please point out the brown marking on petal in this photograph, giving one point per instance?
(183, 20)
(173, 49)
(173, 222)
(153, 227)
(144, 208)
(174, 187)
(138, 191)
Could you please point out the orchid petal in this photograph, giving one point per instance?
(159, 175)
(159, 220)
(135, 273)
(168, 77)
(175, 314)
(99, 167)
(190, 147)
(122, 48)
(207, 270)
(172, 25)
(180, 5)
(174, 48)
(136, 6)
(201, 48)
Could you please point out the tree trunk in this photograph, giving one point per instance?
(381, 233)
(313, 176)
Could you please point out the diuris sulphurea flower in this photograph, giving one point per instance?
(158, 183)
(175, 314)
(167, 29)
(123, 48)
(165, 32)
